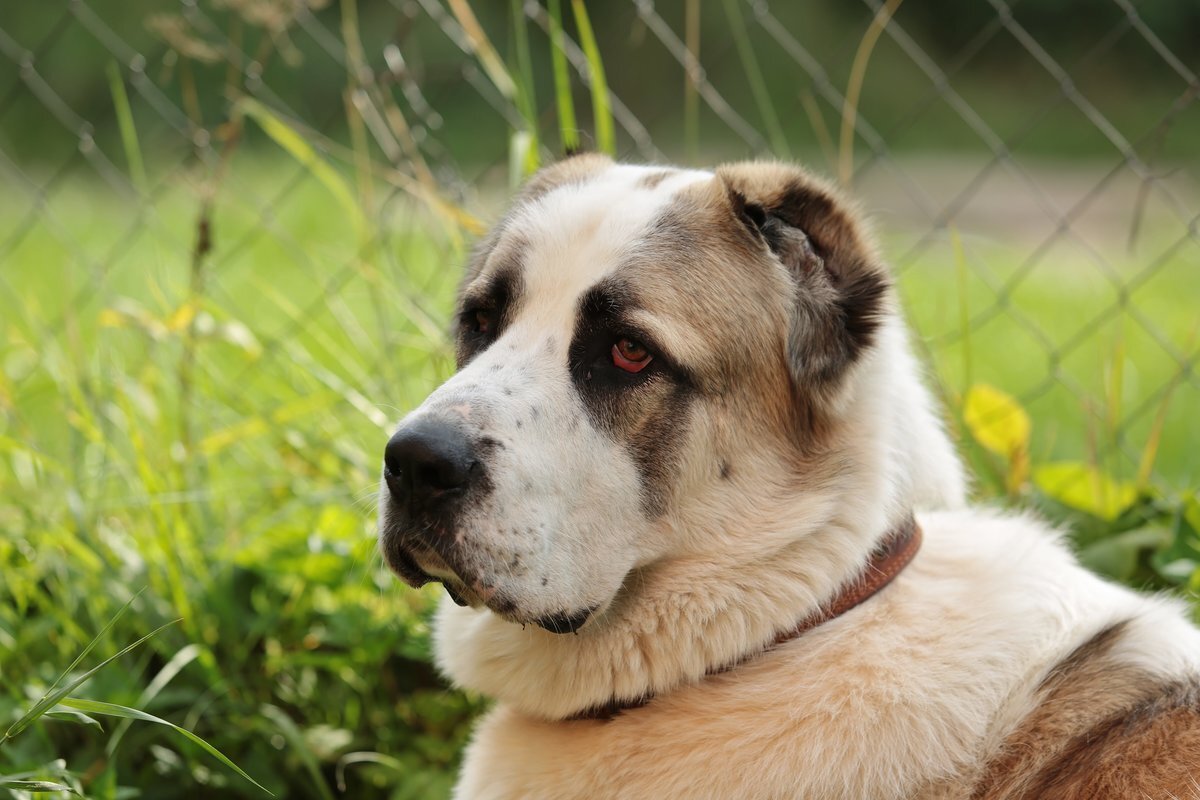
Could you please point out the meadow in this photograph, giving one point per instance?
(208, 328)
(197, 434)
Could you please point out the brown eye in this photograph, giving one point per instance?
(630, 355)
(481, 321)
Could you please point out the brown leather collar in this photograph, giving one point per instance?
(888, 559)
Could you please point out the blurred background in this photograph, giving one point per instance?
(230, 232)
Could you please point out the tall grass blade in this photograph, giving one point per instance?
(365, 757)
(816, 119)
(758, 86)
(181, 659)
(568, 130)
(482, 47)
(964, 306)
(77, 717)
(52, 696)
(858, 73)
(296, 739)
(114, 710)
(691, 94)
(298, 148)
(526, 93)
(1150, 451)
(18, 784)
(129, 137)
(606, 141)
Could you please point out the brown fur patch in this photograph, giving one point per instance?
(649, 411)
(570, 171)
(841, 285)
(652, 180)
(1102, 729)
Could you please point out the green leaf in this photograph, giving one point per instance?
(1117, 556)
(76, 717)
(113, 710)
(606, 140)
(1191, 514)
(52, 696)
(301, 745)
(562, 80)
(1179, 562)
(36, 786)
(1085, 488)
(996, 420)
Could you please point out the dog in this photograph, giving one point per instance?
(706, 537)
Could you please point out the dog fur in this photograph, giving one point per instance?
(676, 522)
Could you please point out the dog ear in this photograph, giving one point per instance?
(841, 290)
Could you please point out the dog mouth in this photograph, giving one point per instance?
(419, 569)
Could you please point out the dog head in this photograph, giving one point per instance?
(646, 357)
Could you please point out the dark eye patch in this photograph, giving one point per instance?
(484, 311)
(646, 411)
(603, 319)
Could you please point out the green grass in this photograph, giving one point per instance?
(1093, 396)
(208, 435)
(259, 534)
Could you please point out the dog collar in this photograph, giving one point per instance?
(888, 560)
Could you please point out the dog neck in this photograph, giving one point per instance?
(892, 555)
(668, 633)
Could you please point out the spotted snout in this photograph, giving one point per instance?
(434, 471)
(437, 473)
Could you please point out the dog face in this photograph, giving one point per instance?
(613, 390)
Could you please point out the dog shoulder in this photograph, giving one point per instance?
(1109, 705)
(1104, 727)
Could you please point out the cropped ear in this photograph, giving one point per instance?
(841, 290)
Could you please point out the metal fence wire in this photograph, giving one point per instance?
(267, 200)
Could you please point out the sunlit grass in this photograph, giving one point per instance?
(250, 516)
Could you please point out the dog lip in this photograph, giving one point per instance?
(405, 566)
(566, 621)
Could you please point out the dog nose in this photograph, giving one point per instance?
(428, 457)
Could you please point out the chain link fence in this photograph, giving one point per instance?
(267, 201)
(230, 233)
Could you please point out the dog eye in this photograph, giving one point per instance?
(481, 320)
(630, 355)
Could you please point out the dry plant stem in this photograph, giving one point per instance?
(691, 98)
(200, 250)
(858, 72)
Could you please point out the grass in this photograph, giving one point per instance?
(194, 392)
(207, 450)
(259, 535)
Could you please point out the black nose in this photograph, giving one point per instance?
(427, 458)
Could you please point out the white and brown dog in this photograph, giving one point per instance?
(678, 465)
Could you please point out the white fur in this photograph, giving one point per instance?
(557, 533)
(914, 688)
(899, 459)
(899, 698)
